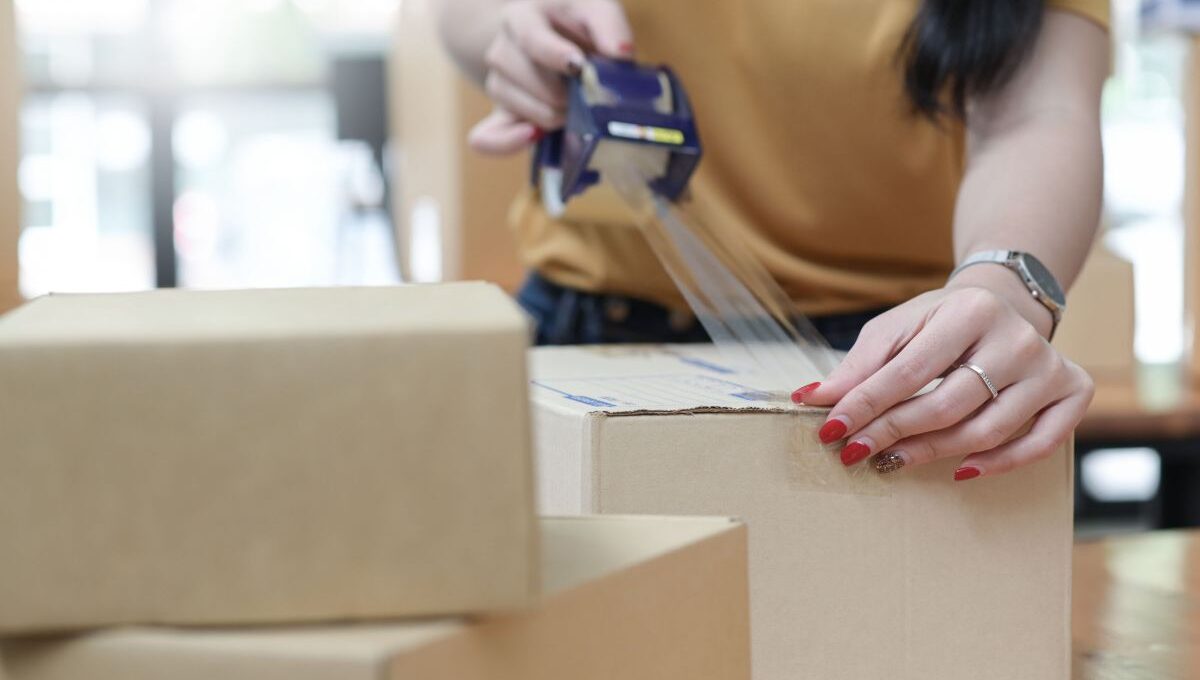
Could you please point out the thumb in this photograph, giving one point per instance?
(501, 134)
(602, 23)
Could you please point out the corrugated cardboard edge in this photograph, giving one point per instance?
(707, 410)
(534, 547)
(105, 654)
(590, 462)
(564, 433)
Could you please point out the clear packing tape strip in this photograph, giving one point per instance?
(745, 312)
(750, 319)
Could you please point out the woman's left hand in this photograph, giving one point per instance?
(1042, 395)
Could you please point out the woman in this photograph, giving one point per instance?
(862, 150)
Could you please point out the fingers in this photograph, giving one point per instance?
(902, 351)
(959, 395)
(521, 103)
(527, 26)
(1053, 427)
(505, 59)
(601, 22)
(1047, 408)
(526, 63)
(928, 355)
(994, 424)
(502, 133)
(877, 344)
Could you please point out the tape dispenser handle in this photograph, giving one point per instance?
(546, 172)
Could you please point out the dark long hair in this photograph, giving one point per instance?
(958, 49)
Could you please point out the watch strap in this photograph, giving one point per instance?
(1009, 259)
(1003, 257)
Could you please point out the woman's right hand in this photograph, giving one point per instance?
(539, 42)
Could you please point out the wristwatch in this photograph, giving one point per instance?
(1036, 277)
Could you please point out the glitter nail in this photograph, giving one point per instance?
(888, 462)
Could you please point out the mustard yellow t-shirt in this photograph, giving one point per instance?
(811, 156)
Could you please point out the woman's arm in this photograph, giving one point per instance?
(1033, 183)
(1034, 170)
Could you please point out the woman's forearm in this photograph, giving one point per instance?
(1034, 173)
(1036, 188)
(467, 28)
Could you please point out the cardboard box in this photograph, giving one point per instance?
(1097, 330)
(10, 152)
(853, 575)
(627, 598)
(263, 456)
(452, 204)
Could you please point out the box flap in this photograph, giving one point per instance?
(576, 552)
(639, 379)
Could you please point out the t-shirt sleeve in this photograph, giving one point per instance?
(1099, 11)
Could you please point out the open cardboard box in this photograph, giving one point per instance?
(853, 575)
(634, 598)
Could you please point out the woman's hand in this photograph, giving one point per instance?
(984, 317)
(540, 41)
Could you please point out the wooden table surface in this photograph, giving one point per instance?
(1137, 608)
(1158, 402)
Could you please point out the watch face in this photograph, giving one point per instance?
(1044, 279)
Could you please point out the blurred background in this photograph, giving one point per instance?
(203, 143)
(252, 143)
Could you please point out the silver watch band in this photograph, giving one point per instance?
(984, 257)
(1020, 264)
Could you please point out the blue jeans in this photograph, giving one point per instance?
(565, 316)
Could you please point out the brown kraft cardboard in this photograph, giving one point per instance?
(264, 456)
(854, 575)
(635, 598)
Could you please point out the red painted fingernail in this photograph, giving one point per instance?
(799, 395)
(537, 135)
(625, 48)
(855, 452)
(832, 431)
(966, 472)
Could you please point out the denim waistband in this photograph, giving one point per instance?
(566, 316)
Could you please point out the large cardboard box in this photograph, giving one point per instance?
(262, 456)
(854, 575)
(625, 598)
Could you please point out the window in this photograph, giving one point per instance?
(197, 143)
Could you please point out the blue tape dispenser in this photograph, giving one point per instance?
(619, 112)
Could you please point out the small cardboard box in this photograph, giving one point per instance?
(853, 575)
(628, 598)
(264, 456)
(1097, 331)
